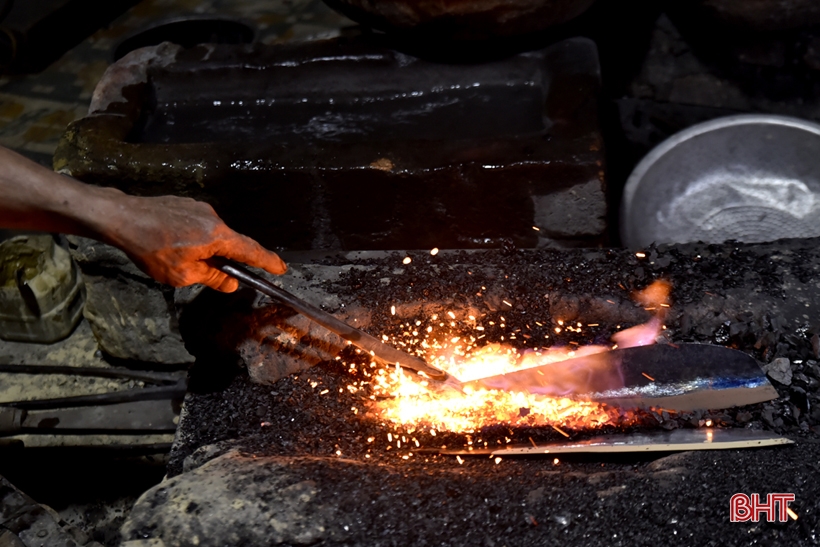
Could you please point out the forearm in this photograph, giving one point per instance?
(171, 238)
(33, 197)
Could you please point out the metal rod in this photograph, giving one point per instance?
(100, 372)
(358, 338)
(175, 391)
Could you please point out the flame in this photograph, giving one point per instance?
(655, 298)
(402, 400)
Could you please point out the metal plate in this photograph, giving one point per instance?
(124, 417)
(677, 377)
(661, 441)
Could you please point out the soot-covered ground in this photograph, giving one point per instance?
(760, 299)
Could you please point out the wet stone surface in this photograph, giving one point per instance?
(758, 298)
(310, 146)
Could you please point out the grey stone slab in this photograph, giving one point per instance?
(132, 316)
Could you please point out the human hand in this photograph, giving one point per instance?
(170, 238)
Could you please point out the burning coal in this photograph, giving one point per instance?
(402, 400)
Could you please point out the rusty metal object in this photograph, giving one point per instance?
(461, 19)
(121, 412)
(131, 417)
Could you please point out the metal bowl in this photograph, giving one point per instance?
(751, 178)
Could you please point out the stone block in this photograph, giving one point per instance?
(131, 316)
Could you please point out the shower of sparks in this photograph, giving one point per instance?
(409, 405)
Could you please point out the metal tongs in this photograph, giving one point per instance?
(387, 354)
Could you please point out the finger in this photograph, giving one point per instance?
(248, 251)
(214, 279)
(229, 285)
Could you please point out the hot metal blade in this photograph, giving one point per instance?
(676, 377)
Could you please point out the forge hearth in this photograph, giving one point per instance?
(303, 458)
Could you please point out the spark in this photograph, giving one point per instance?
(497, 460)
(536, 228)
(434, 251)
(561, 431)
(533, 443)
(324, 391)
(407, 403)
(651, 379)
(407, 260)
(791, 513)
(507, 303)
(640, 255)
(460, 461)
(556, 461)
(392, 312)
(708, 423)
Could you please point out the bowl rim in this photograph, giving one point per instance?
(639, 172)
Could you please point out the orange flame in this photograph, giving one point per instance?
(655, 298)
(411, 403)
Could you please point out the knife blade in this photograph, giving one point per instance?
(681, 377)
